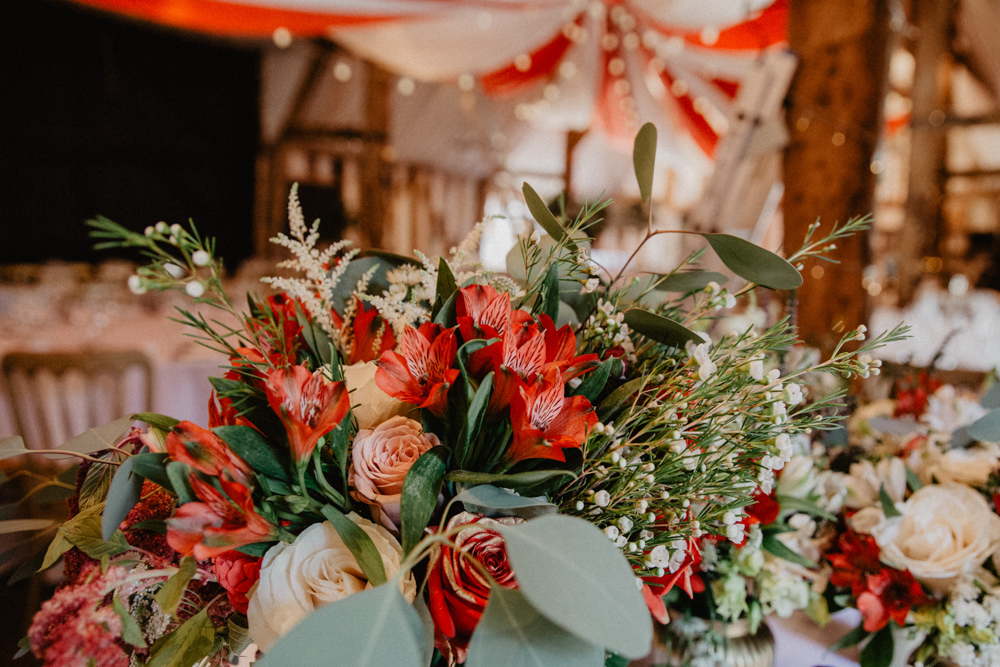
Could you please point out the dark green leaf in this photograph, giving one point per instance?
(852, 638)
(878, 651)
(359, 543)
(660, 328)
(253, 448)
(803, 505)
(178, 473)
(644, 159)
(187, 645)
(340, 442)
(152, 466)
(574, 576)
(124, 494)
(373, 628)
(511, 633)
(238, 638)
(419, 495)
(518, 480)
(593, 384)
(615, 660)
(912, 480)
(488, 499)
(690, 281)
(97, 482)
(446, 314)
(541, 213)
(476, 413)
(754, 263)
(172, 592)
(776, 547)
(987, 427)
(162, 422)
(550, 292)
(158, 526)
(888, 507)
(257, 549)
(610, 406)
(131, 632)
(446, 286)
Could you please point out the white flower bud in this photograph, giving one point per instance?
(149, 231)
(602, 498)
(174, 270)
(201, 258)
(135, 284)
(611, 532)
(175, 229)
(194, 289)
(162, 227)
(578, 506)
(625, 524)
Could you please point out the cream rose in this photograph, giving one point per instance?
(380, 459)
(945, 530)
(371, 406)
(971, 466)
(315, 570)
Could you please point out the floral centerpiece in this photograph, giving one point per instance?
(914, 547)
(411, 460)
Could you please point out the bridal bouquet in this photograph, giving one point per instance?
(412, 461)
(915, 546)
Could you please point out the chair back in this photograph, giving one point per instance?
(56, 396)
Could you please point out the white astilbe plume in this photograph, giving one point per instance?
(315, 290)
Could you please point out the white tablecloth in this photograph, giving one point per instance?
(801, 643)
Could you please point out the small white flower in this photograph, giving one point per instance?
(659, 556)
(195, 289)
(536, 237)
(621, 541)
(757, 370)
(591, 285)
(612, 532)
(602, 498)
(135, 284)
(162, 227)
(149, 231)
(175, 229)
(625, 524)
(174, 270)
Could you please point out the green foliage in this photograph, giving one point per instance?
(518, 480)
(256, 450)
(661, 329)
(987, 427)
(360, 544)
(419, 495)
(644, 159)
(541, 213)
(878, 651)
(888, 507)
(186, 645)
(754, 263)
(123, 494)
(776, 547)
(172, 592)
(162, 422)
(131, 632)
(689, 281)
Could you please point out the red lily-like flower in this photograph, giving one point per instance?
(546, 421)
(222, 412)
(858, 557)
(890, 595)
(422, 374)
(203, 450)
(309, 405)
(482, 312)
(368, 335)
(219, 523)
(276, 331)
(765, 508)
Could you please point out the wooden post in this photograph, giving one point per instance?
(375, 179)
(834, 117)
(922, 231)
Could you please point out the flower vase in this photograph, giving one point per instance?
(698, 642)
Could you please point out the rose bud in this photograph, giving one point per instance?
(237, 573)
(380, 460)
(457, 591)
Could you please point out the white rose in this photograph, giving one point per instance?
(971, 466)
(371, 405)
(315, 570)
(949, 409)
(945, 530)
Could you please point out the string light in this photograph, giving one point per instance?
(342, 71)
(406, 86)
(282, 38)
(523, 62)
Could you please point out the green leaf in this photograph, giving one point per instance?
(152, 466)
(987, 427)
(257, 549)
(24, 525)
(878, 651)
(177, 473)
(359, 543)
(754, 263)
(419, 495)
(446, 314)
(488, 499)
(912, 480)
(888, 507)
(550, 292)
(12, 446)
(446, 286)
(156, 420)
(519, 480)
(97, 482)
(98, 438)
(776, 547)
(158, 526)
(541, 213)
(85, 533)
(238, 637)
(124, 494)
(57, 548)
(131, 632)
(644, 159)
(24, 648)
(187, 645)
(852, 638)
(253, 448)
(428, 622)
(593, 384)
(615, 660)
(991, 400)
(476, 413)
(511, 633)
(373, 628)
(172, 592)
(659, 328)
(803, 505)
(610, 406)
(571, 573)
(690, 281)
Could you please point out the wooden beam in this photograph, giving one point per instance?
(833, 113)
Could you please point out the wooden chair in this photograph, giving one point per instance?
(56, 396)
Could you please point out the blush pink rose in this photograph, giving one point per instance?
(381, 457)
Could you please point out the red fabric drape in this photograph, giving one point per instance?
(510, 79)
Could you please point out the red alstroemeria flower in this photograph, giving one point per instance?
(890, 595)
(482, 312)
(219, 523)
(546, 421)
(858, 557)
(560, 349)
(765, 508)
(203, 450)
(368, 333)
(421, 374)
(277, 330)
(221, 412)
(309, 405)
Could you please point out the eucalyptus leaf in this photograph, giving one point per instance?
(124, 493)
(359, 543)
(512, 633)
(894, 426)
(131, 632)
(987, 427)
(373, 628)
(516, 480)
(488, 499)
(593, 384)
(541, 213)
(187, 645)
(419, 495)
(690, 281)
(156, 420)
(12, 446)
(98, 438)
(428, 622)
(991, 399)
(611, 405)
(660, 328)
(253, 448)
(644, 159)
(571, 573)
(754, 263)
(172, 592)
